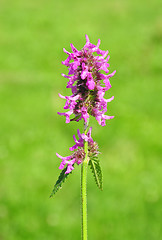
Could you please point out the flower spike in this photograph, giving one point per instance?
(85, 81)
(79, 153)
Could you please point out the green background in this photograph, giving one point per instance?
(32, 36)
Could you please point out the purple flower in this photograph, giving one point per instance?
(78, 155)
(67, 115)
(90, 82)
(87, 83)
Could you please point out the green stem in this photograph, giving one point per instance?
(84, 188)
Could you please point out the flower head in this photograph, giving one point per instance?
(78, 155)
(87, 83)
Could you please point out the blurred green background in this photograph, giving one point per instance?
(32, 36)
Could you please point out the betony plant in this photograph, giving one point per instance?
(88, 85)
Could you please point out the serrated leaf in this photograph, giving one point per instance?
(94, 164)
(61, 179)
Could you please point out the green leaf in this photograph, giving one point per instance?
(94, 164)
(62, 177)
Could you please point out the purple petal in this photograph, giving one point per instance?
(84, 137)
(69, 169)
(71, 70)
(110, 99)
(75, 139)
(79, 134)
(107, 117)
(90, 82)
(65, 76)
(66, 51)
(62, 165)
(64, 158)
(84, 72)
(61, 96)
(73, 48)
(79, 161)
(67, 115)
(73, 147)
(87, 38)
(97, 47)
(111, 74)
(107, 84)
(85, 115)
(66, 62)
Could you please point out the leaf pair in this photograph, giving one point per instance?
(94, 164)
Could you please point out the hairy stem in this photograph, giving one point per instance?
(84, 188)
